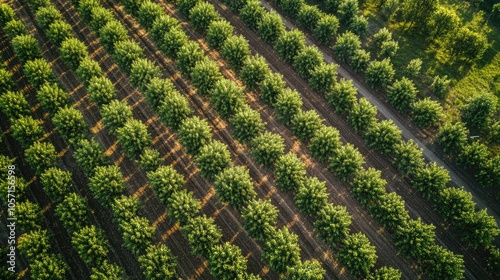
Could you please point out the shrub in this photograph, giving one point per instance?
(27, 130)
(38, 72)
(201, 15)
(202, 235)
(26, 48)
(227, 98)
(70, 124)
(34, 243)
(47, 267)
(52, 98)
(165, 181)
(247, 124)
(106, 271)
(346, 162)
(426, 112)
(101, 90)
(259, 219)
(14, 105)
(91, 245)
(312, 196)
(342, 97)
(137, 235)
(235, 51)
(357, 254)
(111, 33)
(305, 124)
(346, 45)
(408, 158)
(172, 42)
(142, 72)
(148, 13)
(187, 57)
(307, 60)
(157, 91)
(205, 76)
(380, 73)
(58, 32)
(41, 156)
(332, 224)
(106, 184)
(87, 70)
(150, 159)
(99, 18)
(89, 155)
(271, 86)
(133, 136)
(254, 70)
(227, 262)
(158, 263)
(234, 186)
(73, 212)
(368, 187)
(452, 137)
(194, 133)
(270, 27)
(326, 29)
(282, 250)
(30, 216)
(126, 52)
(252, 13)
(213, 158)
(290, 44)
(383, 136)
(183, 206)
(287, 105)
(56, 183)
(290, 172)
(174, 109)
(267, 148)
(324, 77)
(116, 114)
(325, 142)
(218, 32)
(402, 94)
(478, 111)
(362, 115)
(73, 51)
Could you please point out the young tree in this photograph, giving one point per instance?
(111, 33)
(468, 45)
(413, 68)
(347, 10)
(73, 51)
(385, 273)
(158, 263)
(324, 77)
(235, 5)
(383, 136)
(172, 42)
(290, 44)
(205, 76)
(326, 29)
(137, 235)
(161, 26)
(362, 116)
(194, 133)
(187, 57)
(305, 124)
(218, 32)
(213, 158)
(185, 6)
(307, 60)
(415, 239)
(346, 45)
(142, 72)
(312, 196)
(164, 181)
(91, 245)
(271, 86)
(408, 158)
(306, 270)
(234, 186)
(282, 250)
(101, 90)
(388, 49)
(174, 109)
(332, 224)
(85, 7)
(325, 142)
(359, 25)
(443, 264)
(150, 159)
(308, 17)
(259, 219)
(247, 124)
(357, 254)
(440, 86)
(291, 7)
(47, 267)
(390, 211)
(26, 48)
(360, 60)
(201, 15)
(481, 229)
(116, 114)
(202, 235)
(107, 271)
(235, 51)
(148, 13)
(125, 208)
(157, 91)
(99, 18)
(252, 13)
(346, 162)
(382, 35)
(494, 258)
(287, 105)
(56, 183)
(70, 124)
(126, 52)
(270, 27)
(183, 206)
(6, 81)
(33, 244)
(30, 216)
(267, 148)
(227, 262)
(380, 73)
(454, 203)
(402, 94)
(89, 154)
(52, 98)
(290, 172)
(473, 155)
(27, 130)
(106, 184)
(87, 70)
(430, 180)
(452, 137)
(41, 156)
(479, 110)
(73, 212)
(253, 71)
(342, 97)
(133, 136)
(38, 72)
(426, 112)
(6, 14)
(58, 32)
(367, 186)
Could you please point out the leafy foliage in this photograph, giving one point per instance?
(342, 97)
(271, 86)
(142, 72)
(290, 44)
(290, 172)
(305, 124)
(253, 71)
(70, 123)
(383, 136)
(401, 94)
(41, 156)
(194, 133)
(150, 159)
(47, 267)
(111, 33)
(164, 181)
(185, 6)
(390, 210)
(161, 26)
(430, 180)
(287, 105)
(227, 262)
(408, 158)
(234, 186)
(99, 18)
(88, 155)
(158, 263)
(307, 60)
(440, 86)
(324, 77)
(282, 250)
(26, 48)
(247, 124)
(270, 27)
(235, 50)
(415, 239)
(116, 114)
(452, 137)
(73, 212)
(56, 183)
(58, 32)
(172, 42)
(29, 216)
(38, 72)
(346, 45)
(252, 14)
(385, 273)
(213, 158)
(346, 162)
(174, 108)
(148, 13)
(106, 271)
(137, 235)
(187, 57)
(259, 219)
(468, 45)
(326, 28)
(380, 73)
(426, 112)
(101, 90)
(52, 98)
(325, 142)
(158, 90)
(6, 14)
(218, 32)
(444, 264)
(308, 16)
(202, 235)
(267, 148)
(357, 254)
(201, 15)
(34, 243)
(106, 184)
(183, 206)
(479, 111)
(88, 69)
(126, 52)
(134, 138)
(27, 130)
(227, 98)
(91, 245)
(6, 81)
(73, 51)
(125, 208)
(306, 270)
(368, 186)
(312, 196)
(362, 115)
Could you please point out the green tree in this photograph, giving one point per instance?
(478, 111)
(194, 133)
(16, 28)
(125, 208)
(346, 45)
(148, 13)
(111, 33)
(213, 158)
(126, 52)
(73, 51)
(360, 60)
(46, 15)
(235, 51)
(357, 254)
(359, 25)
(33, 244)
(234, 186)
(6, 81)
(187, 57)
(442, 22)
(417, 12)
(132, 6)
(106, 184)
(494, 258)
(426, 112)
(116, 114)
(324, 77)
(158, 90)
(70, 124)
(430, 180)
(85, 7)
(452, 137)
(390, 210)
(158, 263)
(41, 156)
(290, 172)
(331, 6)
(52, 98)
(291, 7)
(29, 215)
(73, 212)
(58, 32)
(385, 273)
(383, 136)
(270, 27)
(183, 206)
(440, 86)
(202, 235)
(347, 10)
(326, 28)
(205, 75)
(89, 154)
(380, 73)
(468, 45)
(252, 13)
(133, 136)
(443, 264)
(218, 32)
(415, 239)
(101, 90)
(454, 204)
(287, 105)
(362, 116)
(271, 86)
(47, 267)
(259, 219)
(6, 14)
(342, 97)
(402, 94)
(346, 162)
(306, 270)
(289, 44)
(185, 6)
(142, 72)
(162, 25)
(388, 49)
(267, 148)
(307, 60)
(325, 142)
(247, 124)
(174, 109)
(172, 42)
(87, 70)
(282, 250)
(253, 71)
(99, 18)
(91, 245)
(312, 196)
(368, 186)
(473, 155)
(137, 235)
(38, 72)
(164, 181)
(227, 98)
(413, 68)
(27, 130)
(481, 229)
(235, 5)
(332, 224)
(305, 124)
(227, 262)
(56, 183)
(150, 159)
(308, 17)
(107, 271)
(408, 158)
(201, 15)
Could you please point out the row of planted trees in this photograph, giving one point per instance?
(106, 182)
